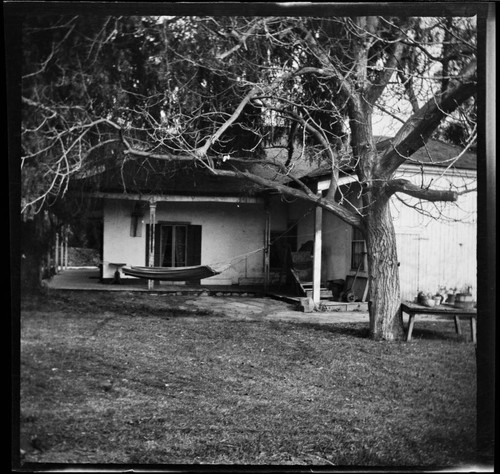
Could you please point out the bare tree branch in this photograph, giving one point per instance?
(388, 70)
(242, 37)
(340, 211)
(406, 187)
(419, 127)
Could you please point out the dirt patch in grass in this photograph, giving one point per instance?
(134, 379)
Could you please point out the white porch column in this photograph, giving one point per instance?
(152, 222)
(65, 248)
(267, 238)
(318, 226)
(49, 259)
(57, 260)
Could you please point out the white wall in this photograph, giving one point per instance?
(118, 245)
(228, 230)
(437, 245)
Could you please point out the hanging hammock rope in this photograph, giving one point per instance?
(196, 272)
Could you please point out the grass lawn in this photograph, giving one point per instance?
(130, 378)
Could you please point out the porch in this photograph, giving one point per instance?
(89, 279)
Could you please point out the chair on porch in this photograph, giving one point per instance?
(301, 270)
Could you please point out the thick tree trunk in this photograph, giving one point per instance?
(385, 299)
(35, 241)
(31, 273)
(383, 274)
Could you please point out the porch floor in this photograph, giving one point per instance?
(88, 278)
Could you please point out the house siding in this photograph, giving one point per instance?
(438, 247)
(229, 230)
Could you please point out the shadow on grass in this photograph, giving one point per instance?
(82, 303)
(357, 330)
(431, 332)
(435, 334)
(167, 312)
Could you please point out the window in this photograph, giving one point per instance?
(173, 245)
(176, 245)
(358, 251)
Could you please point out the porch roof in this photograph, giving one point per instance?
(165, 178)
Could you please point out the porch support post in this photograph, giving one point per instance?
(65, 248)
(49, 261)
(152, 223)
(266, 244)
(57, 260)
(318, 226)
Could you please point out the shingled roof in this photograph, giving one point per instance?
(436, 154)
(187, 178)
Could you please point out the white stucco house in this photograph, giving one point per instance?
(205, 220)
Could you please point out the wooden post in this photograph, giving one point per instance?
(473, 328)
(152, 222)
(411, 323)
(56, 260)
(318, 226)
(267, 238)
(457, 325)
(65, 248)
(49, 262)
(61, 251)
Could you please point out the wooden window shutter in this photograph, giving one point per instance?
(193, 245)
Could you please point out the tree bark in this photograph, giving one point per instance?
(431, 195)
(383, 274)
(33, 248)
(385, 298)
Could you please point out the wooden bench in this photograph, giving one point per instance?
(443, 310)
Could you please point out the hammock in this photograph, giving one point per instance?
(197, 272)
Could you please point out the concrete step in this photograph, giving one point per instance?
(342, 306)
(323, 293)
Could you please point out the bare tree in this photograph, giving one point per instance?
(216, 91)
